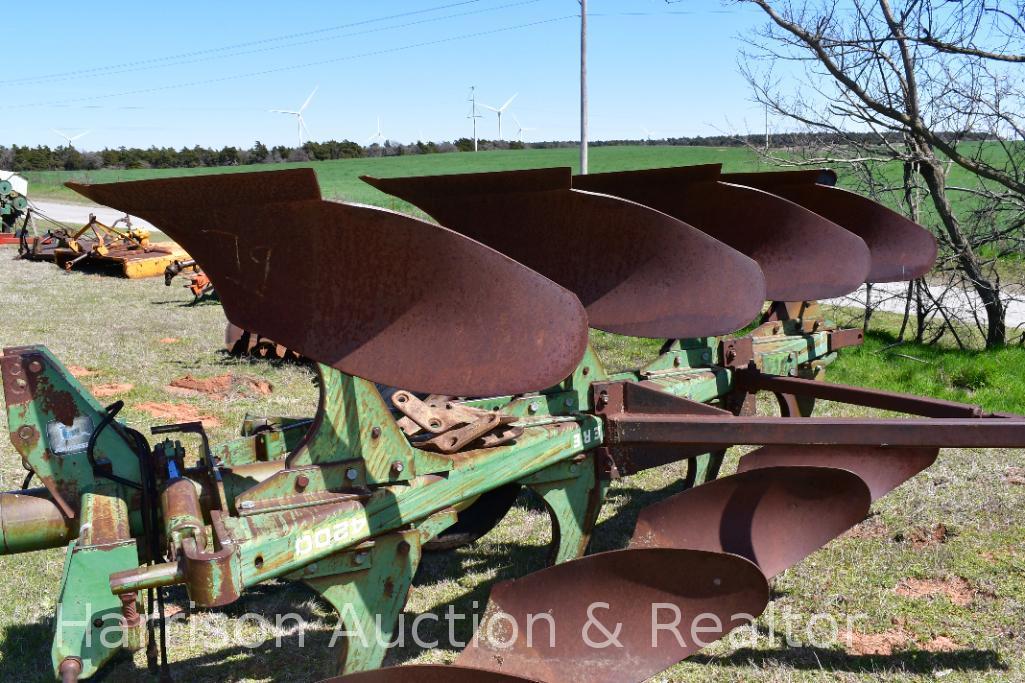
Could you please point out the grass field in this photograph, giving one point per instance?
(340, 179)
(933, 583)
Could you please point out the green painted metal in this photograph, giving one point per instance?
(88, 621)
(346, 503)
(573, 493)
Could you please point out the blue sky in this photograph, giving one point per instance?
(153, 73)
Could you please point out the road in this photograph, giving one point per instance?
(890, 296)
(77, 215)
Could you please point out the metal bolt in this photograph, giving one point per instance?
(98, 623)
(676, 361)
(574, 468)
(586, 371)
(26, 433)
(362, 557)
(311, 568)
(570, 401)
(534, 406)
(603, 399)
(706, 355)
(717, 582)
(35, 366)
(301, 482)
(20, 383)
(352, 474)
(397, 467)
(375, 433)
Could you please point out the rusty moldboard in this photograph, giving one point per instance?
(465, 321)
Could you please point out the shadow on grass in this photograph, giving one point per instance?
(822, 659)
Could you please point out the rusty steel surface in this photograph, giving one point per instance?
(870, 398)
(803, 255)
(774, 517)
(901, 249)
(638, 271)
(428, 673)
(996, 432)
(373, 293)
(629, 582)
(882, 468)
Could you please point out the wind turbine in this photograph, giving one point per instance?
(648, 133)
(70, 138)
(300, 124)
(520, 130)
(378, 136)
(500, 111)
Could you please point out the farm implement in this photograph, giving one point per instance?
(454, 370)
(127, 251)
(13, 206)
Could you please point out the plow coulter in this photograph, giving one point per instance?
(455, 370)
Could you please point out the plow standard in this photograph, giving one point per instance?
(482, 326)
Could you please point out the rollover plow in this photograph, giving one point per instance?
(487, 339)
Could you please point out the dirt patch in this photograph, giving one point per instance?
(169, 340)
(1015, 476)
(107, 390)
(957, 589)
(178, 413)
(923, 537)
(857, 643)
(873, 527)
(220, 386)
(79, 371)
(940, 644)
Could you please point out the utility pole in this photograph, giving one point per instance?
(474, 115)
(583, 87)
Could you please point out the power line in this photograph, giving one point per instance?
(293, 67)
(228, 55)
(251, 43)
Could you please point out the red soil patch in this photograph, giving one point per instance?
(923, 537)
(79, 371)
(178, 413)
(220, 386)
(940, 644)
(107, 390)
(1015, 476)
(873, 527)
(169, 340)
(857, 643)
(957, 589)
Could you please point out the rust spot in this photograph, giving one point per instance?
(389, 587)
(57, 402)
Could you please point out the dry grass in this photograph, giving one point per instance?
(114, 328)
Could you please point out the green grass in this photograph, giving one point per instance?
(340, 179)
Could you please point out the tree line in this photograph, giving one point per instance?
(45, 158)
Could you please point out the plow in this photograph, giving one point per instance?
(455, 369)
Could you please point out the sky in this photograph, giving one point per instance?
(207, 73)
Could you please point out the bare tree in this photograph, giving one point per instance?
(933, 85)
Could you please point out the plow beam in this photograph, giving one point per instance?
(869, 398)
(713, 431)
(638, 271)
(803, 255)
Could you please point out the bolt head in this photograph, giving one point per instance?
(20, 383)
(351, 474)
(35, 366)
(397, 467)
(361, 557)
(26, 433)
(247, 505)
(570, 401)
(375, 433)
(301, 482)
(534, 406)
